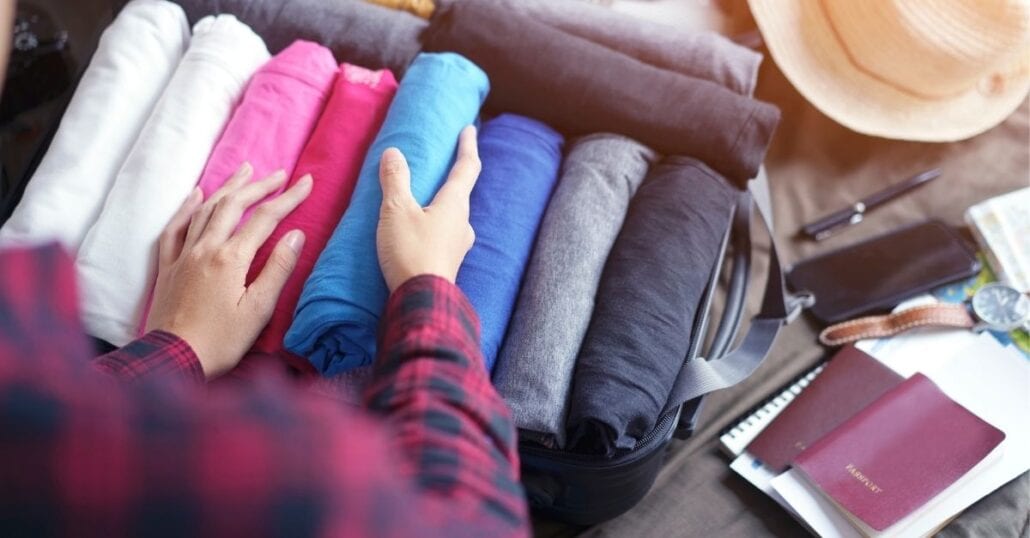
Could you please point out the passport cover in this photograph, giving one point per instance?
(895, 455)
(850, 381)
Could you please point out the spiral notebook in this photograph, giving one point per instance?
(744, 430)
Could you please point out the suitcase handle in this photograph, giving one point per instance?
(699, 376)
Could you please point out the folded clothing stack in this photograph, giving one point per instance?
(339, 309)
(582, 87)
(646, 301)
(334, 155)
(116, 263)
(134, 61)
(578, 307)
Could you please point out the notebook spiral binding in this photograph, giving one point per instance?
(745, 428)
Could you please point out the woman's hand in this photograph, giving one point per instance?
(201, 293)
(413, 240)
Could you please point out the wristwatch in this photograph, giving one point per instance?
(995, 306)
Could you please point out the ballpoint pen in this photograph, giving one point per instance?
(853, 214)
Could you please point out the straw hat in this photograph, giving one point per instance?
(929, 70)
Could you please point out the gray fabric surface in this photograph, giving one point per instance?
(534, 369)
(704, 55)
(651, 287)
(357, 32)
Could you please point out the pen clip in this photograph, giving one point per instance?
(832, 224)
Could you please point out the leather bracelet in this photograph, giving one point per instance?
(945, 315)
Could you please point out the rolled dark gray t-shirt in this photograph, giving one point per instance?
(649, 294)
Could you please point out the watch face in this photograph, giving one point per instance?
(1001, 306)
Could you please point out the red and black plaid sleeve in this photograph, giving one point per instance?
(158, 354)
(455, 431)
(83, 453)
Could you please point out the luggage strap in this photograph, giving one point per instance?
(699, 376)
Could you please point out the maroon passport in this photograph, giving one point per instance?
(848, 383)
(898, 453)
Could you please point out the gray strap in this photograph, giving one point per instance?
(700, 376)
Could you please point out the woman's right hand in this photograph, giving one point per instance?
(413, 240)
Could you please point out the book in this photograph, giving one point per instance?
(850, 381)
(892, 457)
(1001, 225)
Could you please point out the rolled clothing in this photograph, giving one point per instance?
(275, 117)
(356, 31)
(580, 87)
(333, 156)
(534, 370)
(705, 55)
(134, 61)
(272, 122)
(520, 162)
(647, 300)
(338, 312)
(118, 259)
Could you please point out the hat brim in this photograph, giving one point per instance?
(807, 51)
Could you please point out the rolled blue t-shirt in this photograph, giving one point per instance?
(336, 319)
(521, 158)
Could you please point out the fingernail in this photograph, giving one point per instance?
(295, 240)
(279, 175)
(245, 168)
(306, 179)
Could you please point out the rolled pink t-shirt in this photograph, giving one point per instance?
(276, 116)
(273, 120)
(333, 157)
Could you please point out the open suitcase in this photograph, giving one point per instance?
(584, 489)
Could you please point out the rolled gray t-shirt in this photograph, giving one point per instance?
(534, 368)
(357, 32)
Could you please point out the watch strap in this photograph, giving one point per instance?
(943, 315)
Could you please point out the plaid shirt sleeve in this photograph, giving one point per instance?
(86, 453)
(456, 433)
(158, 353)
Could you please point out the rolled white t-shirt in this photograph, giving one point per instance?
(117, 261)
(135, 59)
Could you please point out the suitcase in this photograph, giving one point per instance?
(584, 489)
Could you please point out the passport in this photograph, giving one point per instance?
(850, 381)
(894, 456)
